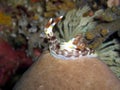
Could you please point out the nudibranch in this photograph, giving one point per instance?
(72, 49)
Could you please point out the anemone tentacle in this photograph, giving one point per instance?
(74, 48)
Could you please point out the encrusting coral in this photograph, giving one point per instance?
(5, 19)
(53, 7)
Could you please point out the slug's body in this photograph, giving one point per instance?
(74, 48)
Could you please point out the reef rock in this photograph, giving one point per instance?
(86, 73)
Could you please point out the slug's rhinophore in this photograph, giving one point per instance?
(73, 49)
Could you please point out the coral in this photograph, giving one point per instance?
(108, 52)
(22, 24)
(106, 48)
(34, 1)
(95, 27)
(27, 29)
(10, 61)
(55, 6)
(23, 59)
(70, 27)
(72, 49)
(35, 41)
(110, 14)
(85, 73)
(5, 19)
(112, 3)
(102, 32)
(17, 2)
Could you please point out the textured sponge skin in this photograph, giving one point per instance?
(49, 73)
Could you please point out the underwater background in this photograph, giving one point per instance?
(22, 37)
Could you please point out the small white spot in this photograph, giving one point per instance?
(13, 35)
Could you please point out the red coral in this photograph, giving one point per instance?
(10, 61)
(35, 1)
(24, 60)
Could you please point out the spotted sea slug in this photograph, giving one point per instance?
(72, 49)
